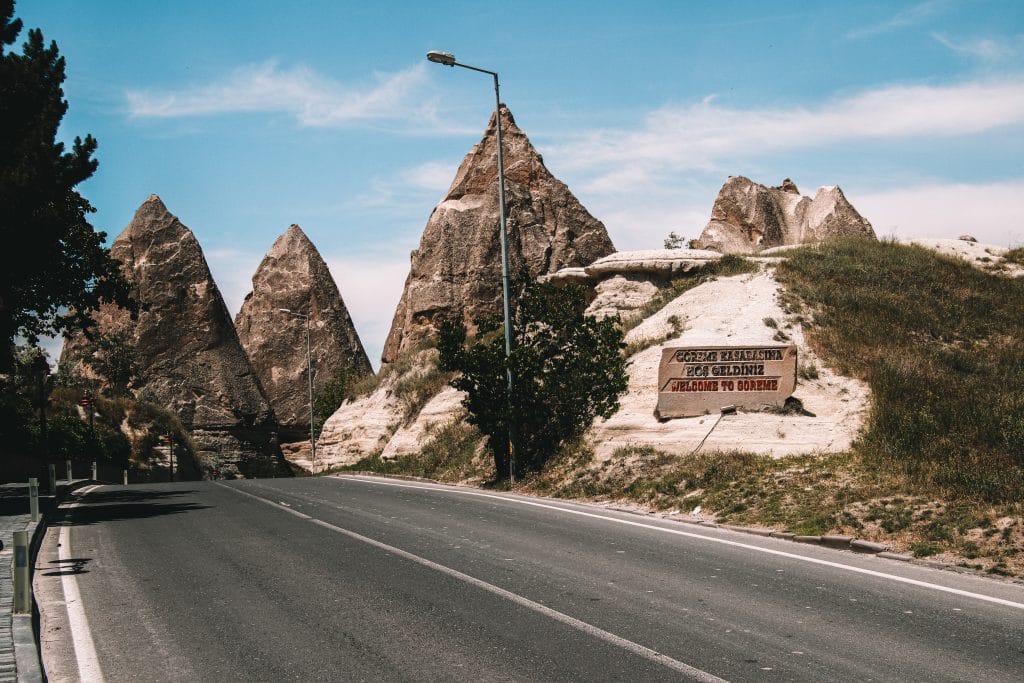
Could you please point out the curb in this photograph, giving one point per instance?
(27, 658)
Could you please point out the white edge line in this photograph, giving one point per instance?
(591, 630)
(690, 534)
(81, 636)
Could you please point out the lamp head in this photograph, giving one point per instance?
(446, 58)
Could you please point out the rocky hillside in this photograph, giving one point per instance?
(456, 271)
(188, 354)
(294, 276)
(749, 217)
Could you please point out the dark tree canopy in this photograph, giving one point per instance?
(567, 367)
(54, 268)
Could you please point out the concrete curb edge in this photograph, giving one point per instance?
(27, 658)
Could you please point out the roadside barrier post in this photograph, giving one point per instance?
(53, 480)
(94, 471)
(22, 587)
(69, 470)
(125, 473)
(33, 498)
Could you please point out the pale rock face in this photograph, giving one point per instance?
(456, 271)
(293, 276)
(749, 217)
(730, 311)
(439, 411)
(188, 352)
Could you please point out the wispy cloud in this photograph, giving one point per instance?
(910, 16)
(991, 212)
(703, 136)
(371, 285)
(311, 98)
(989, 50)
(426, 182)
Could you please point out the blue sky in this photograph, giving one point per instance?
(246, 117)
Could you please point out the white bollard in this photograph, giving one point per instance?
(22, 584)
(94, 471)
(33, 498)
(69, 470)
(125, 473)
(53, 480)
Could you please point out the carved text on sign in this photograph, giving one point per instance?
(699, 380)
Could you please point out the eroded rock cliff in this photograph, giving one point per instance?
(457, 268)
(749, 217)
(294, 276)
(188, 354)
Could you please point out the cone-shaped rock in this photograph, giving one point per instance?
(457, 268)
(748, 216)
(188, 353)
(293, 276)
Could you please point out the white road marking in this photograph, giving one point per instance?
(81, 637)
(692, 672)
(690, 534)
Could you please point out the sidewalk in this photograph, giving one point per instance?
(14, 516)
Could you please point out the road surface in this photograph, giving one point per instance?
(373, 579)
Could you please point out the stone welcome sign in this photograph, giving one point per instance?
(697, 380)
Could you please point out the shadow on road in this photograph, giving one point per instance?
(108, 506)
(72, 565)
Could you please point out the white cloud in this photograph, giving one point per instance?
(991, 212)
(701, 136)
(434, 176)
(311, 98)
(910, 16)
(371, 286)
(988, 50)
(232, 270)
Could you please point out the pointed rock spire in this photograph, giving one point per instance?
(293, 276)
(188, 353)
(457, 268)
(748, 216)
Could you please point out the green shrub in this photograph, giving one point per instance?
(567, 369)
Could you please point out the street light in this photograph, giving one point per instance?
(309, 372)
(448, 59)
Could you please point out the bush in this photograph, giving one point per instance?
(566, 366)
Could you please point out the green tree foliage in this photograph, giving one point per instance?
(114, 358)
(331, 396)
(62, 271)
(675, 241)
(567, 370)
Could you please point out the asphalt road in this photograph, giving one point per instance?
(357, 579)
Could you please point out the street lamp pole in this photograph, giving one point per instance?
(448, 59)
(309, 374)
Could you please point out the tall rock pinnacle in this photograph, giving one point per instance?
(188, 353)
(748, 216)
(293, 276)
(457, 268)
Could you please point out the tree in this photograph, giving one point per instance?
(567, 369)
(114, 358)
(332, 395)
(675, 241)
(61, 271)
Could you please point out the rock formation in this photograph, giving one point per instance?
(294, 276)
(749, 217)
(188, 353)
(457, 268)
